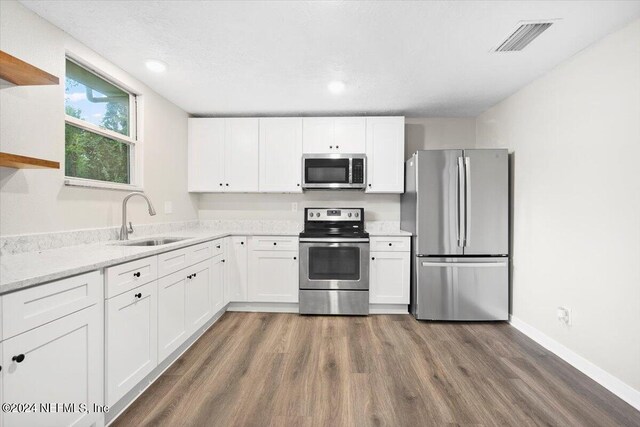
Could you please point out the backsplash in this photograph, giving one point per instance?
(10, 245)
(16, 244)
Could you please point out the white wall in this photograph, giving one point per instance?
(575, 137)
(32, 124)
(439, 133)
(420, 133)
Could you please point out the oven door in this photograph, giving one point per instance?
(334, 264)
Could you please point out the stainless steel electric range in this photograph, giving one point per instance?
(334, 262)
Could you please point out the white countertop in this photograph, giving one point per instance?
(31, 268)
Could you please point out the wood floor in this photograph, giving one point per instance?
(261, 369)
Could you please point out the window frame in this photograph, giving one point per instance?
(133, 140)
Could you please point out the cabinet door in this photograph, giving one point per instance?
(349, 134)
(206, 154)
(235, 283)
(241, 155)
(217, 283)
(132, 339)
(172, 324)
(198, 295)
(273, 276)
(61, 362)
(281, 155)
(389, 277)
(318, 135)
(385, 155)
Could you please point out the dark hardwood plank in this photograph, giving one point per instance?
(260, 369)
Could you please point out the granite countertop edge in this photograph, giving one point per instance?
(54, 264)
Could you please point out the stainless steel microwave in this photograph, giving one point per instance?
(334, 171)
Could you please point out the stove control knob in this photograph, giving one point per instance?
(357, 214)
(310, 214)
(349, 214)
(317, 214)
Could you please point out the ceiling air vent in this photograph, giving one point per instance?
(522, 36)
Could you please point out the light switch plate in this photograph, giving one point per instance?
(168, 207)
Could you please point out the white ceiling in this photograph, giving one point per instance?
(276, 58)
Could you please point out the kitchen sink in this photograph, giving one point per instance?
(158, 241)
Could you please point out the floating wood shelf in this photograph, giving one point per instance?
(20, 73)
(23, 162)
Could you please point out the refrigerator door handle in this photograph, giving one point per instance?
(467, 201)
(465, 264)
(459, 203)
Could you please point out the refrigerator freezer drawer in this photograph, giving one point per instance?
(468, 289)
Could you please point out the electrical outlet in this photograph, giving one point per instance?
(168, 207)
(294, 207)
(564, 315)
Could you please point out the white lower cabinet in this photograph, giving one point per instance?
(131, 339)
(198, 295)
(59, 362)
(217, 283)
(235, 283)
(389, 277)
(172, 320)
(273, 276)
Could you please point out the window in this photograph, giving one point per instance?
(100, 129)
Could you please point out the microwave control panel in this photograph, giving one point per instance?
(357, 171)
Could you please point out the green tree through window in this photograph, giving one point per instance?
(89, 154)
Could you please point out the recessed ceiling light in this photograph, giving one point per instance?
(336, 87)
(156, 66)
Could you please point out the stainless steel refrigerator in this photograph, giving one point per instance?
(456, 204)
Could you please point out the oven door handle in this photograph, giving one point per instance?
(333, 240)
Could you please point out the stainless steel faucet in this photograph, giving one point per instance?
(124, 231)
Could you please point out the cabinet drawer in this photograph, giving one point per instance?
(274, 243)
(33, 307)
(170, 262)
(123, 277)
(217, 247)
(391, 244)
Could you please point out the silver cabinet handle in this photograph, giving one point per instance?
(467, 201)
(459, 205)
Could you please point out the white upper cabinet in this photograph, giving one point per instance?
(349, 134)
(317, 135)
(264, 155)
(223, 155)
(241, 155)
(322, 135)
(206, 154)
(385, 154)
(280, 155)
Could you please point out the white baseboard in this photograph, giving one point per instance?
(388, 309)
(264, 307)
(270, 307)
(599, 375)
